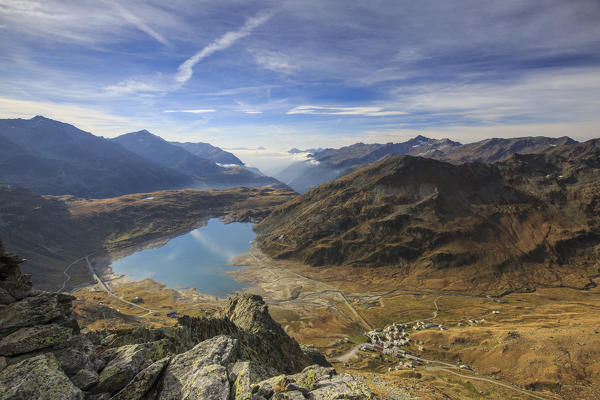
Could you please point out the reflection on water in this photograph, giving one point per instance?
(197, 259)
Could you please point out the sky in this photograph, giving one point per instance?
(249, 75)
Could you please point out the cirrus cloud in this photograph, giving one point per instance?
(362, 111)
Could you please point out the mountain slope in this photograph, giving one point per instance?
(362, 154)
(334, 163)
(205, 173)
(492, 150)
(210, 152)
(51, 157)
(531, 220)
(328, 164)
(155, 148)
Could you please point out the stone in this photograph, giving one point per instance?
(208, 382)
(315, 356)
(3, 363)
(37, 337)
(5, 297)
(292, 395)
(244, 374)
(76, 354)
(344, 386)
(85, 379)
(142, 383)
(99, 396)
(266, 388)
(38, 378)
(126, 362)
(38, 310)
(201, 365)
(13, 282)
(311, 375)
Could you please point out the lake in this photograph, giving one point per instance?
(197, 259)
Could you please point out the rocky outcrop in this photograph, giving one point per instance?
(42, 308)
(125, 362)
(313, 382)
(201, 371)
(33, 338)
(37, 377)
(143, 382)
(230, 355)
(14, 285)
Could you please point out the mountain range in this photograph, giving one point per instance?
(473, 227)
(324, 165)
(208, 151)
(51, 157)
(206, 173)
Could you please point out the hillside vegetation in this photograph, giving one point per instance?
(531, 220)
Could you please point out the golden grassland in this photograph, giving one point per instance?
(547, 340)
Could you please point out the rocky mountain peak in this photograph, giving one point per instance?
(249, 312)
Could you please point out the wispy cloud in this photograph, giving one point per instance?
(362, 111)
(133, 85)
(162, 84)
(273, 60)
(139, 23)
(199, 111)
(185, 70)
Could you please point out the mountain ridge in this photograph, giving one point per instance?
(329, 164)
(58, 158)
(206, 173)
(468, 227)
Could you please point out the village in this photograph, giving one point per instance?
(395, 338)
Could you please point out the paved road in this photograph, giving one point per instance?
(110, 293)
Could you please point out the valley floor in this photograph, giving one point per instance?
(544, 344)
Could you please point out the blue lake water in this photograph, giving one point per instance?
(197, 259)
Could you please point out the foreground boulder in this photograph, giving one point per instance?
(314, 382)
(125, 363)
(201, 372)
(26, 340)
(14, 284)
(143, 382)
(38, 377)
(36, 310)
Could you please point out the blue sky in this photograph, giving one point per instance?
(284, 74)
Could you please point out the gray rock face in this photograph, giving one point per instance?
(125, 363)
(185, 372)
(38, 310)
(85, 379)
(14, 284)
(37, 378)
(342, 386)
(315, 383)
(76, 354)
(5, 297)
(33, 338)
(244, 374)
(142, 383)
